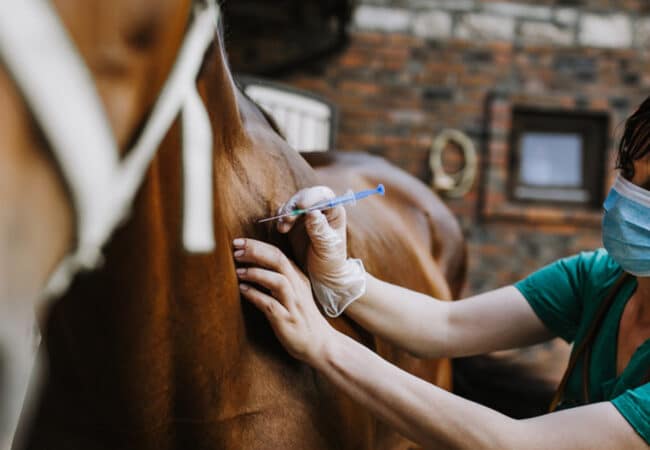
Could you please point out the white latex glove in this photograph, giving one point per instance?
(337, 281)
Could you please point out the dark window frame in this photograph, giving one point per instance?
(592, 127)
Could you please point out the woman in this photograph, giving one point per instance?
(599, 300)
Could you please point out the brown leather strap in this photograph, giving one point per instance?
(585, 345)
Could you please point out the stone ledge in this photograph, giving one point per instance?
(566, 16)
(382, 19)
(546, 33)
(485, 27)
(433, 25)
(518, 10)
(449, 5)
(642, 32)
(501, 21)
(608, 31)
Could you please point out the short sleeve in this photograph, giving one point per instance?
(555, 293)
(634, 405)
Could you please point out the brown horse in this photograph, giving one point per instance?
(155, 349)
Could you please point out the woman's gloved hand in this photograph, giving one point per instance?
(337, 281)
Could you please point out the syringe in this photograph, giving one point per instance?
(348, 197)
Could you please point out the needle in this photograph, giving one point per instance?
(348, 197)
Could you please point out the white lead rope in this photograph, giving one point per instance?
(61, 94)
(198, 224)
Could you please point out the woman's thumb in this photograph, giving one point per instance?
(322, 235)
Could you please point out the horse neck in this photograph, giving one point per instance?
(255, 169)
(220, 94)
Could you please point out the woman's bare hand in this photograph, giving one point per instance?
(289, 304)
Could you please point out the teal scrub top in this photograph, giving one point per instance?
(566, 295)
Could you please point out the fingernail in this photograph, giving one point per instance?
(239, 253)
(241, 271)
(239, 242)
(244, 287)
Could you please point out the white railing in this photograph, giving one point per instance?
(307, 122)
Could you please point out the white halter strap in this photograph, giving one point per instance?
(61, 94)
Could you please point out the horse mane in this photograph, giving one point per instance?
(221, 41)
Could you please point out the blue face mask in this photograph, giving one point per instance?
(626, 227)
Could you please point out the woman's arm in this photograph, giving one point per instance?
(417, 323)
(420, 411)
(427, 327)
(436, 418)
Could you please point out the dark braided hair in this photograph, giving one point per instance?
(635, 143)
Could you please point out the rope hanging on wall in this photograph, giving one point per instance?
(459, 183)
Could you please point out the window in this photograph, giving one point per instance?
(558, 156)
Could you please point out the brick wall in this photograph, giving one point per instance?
(416, 67)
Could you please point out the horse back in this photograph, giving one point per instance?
(409, 237)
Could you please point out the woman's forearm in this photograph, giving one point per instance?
(407, 319)
(435, 418)
(429, 328)
(424, 413)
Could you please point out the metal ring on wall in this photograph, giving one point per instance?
(457, 184)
